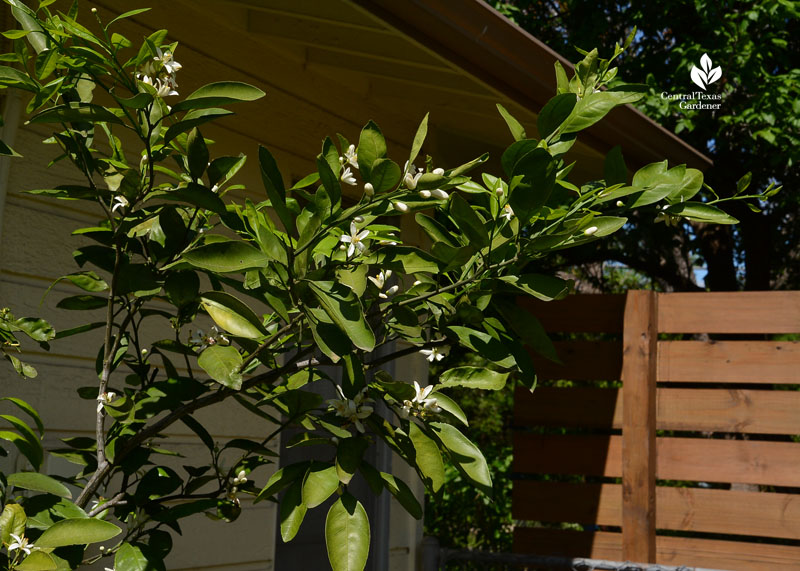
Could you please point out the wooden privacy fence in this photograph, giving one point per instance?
(694, 461)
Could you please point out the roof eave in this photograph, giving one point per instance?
(487, 45)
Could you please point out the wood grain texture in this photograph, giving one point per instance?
(682, 509)
(708, 553)
(707, 410)
(729, 312)
(772, 362)
(639, 426)
(578, 313)
(693, 459)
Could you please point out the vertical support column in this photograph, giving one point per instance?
(640, 343)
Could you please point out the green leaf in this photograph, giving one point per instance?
(465, 455)
(131, 558)
(77, 531)
(529, 329)
(226, 257)
(87, 281)
(554, 113)
(344, 308)
(282, 478)
(76, 112)
(35, 328)
(474, 378)
(515, 152)
(192, 119)
(273, 184)
(701, 212)
(222, 364)
(532, 190)
(419, 139)
(485, 345)
(371, 147)
(194, 194)
(349, 453)
(320, 482)
(614, 169)
(233, 315)
(516, 128)
(39, 561)
(541, 286)
(428, 458)
(449, 405)
(468, 222)
(196, 154)
(27, 442)
(385, 175)
(39, 483)
(400, 490)
(127, 14)
(29, 410)
(292, 511)
(220, 93)
(82, 302)
(593, 107)
(11, 77)
(12, 520)
(347, 535)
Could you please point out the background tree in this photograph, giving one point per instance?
(757, 128)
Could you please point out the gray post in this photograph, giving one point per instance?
(429, 554)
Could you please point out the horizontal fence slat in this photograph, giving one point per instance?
(591, 313)
(695, 459)
(738, 461)
(592, 455)
(721, 554)
(569, 407)
(729, 312)
(682, 509)
(729, 410)
(771, 362)
(562, 543)
(706, 410)
(582, 361)
(709, 553)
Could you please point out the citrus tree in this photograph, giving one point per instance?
(311, 278)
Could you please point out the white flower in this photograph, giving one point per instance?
(380, 279)
(400, 206)
(434, 353)
(508, 213)
(240, 479)
(440, 172)
(391, 291)
(21, 544)
(412, 176)
(216, 337)
(119, 202)
(104, 399)
(440, 194)
(591, 230)
(347, 177)
(351, 156)
(369, 190)
(424, 193)
(423, 398)
(168, 61)
(355, 410)
(355, 239)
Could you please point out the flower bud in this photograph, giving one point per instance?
(410, 181)
(440, 172)
(369, 190)
(499, 191)
(424, 193)
(358, 219)
(392, 290)
(620, 204)
(400, 206)
(591, 230)
(440, 194)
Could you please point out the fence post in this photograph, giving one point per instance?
(429, 554)
(640, 343)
